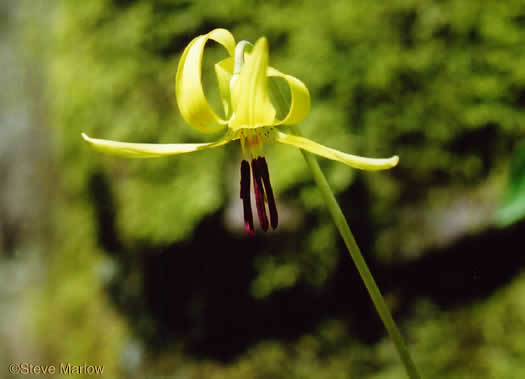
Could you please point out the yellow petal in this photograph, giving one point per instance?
(151, 150)
(252, 106)
(299, 98)
(363, 163)
(224, 72)
(192, 103)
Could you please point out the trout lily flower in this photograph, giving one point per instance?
(250, 116)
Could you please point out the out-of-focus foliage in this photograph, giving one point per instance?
(481, 340)
(440, 83)
(513, 208)
(52, 300)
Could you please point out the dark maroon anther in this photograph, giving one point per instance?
(246, 198)
(259, 195)
(263, 167)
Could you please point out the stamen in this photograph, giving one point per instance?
(263, 166)
(246, 198)
(259, 195)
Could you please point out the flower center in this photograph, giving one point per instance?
(252, 140)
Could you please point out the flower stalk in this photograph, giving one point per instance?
(352, 247)
(359, 261)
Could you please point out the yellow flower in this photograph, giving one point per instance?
(250, 116)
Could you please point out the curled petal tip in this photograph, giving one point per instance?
(263, 41)
(395, 160)
(89, 140)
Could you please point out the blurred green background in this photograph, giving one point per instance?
(142, 265)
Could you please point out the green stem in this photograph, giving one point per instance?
(355, 253)
(341, 224)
